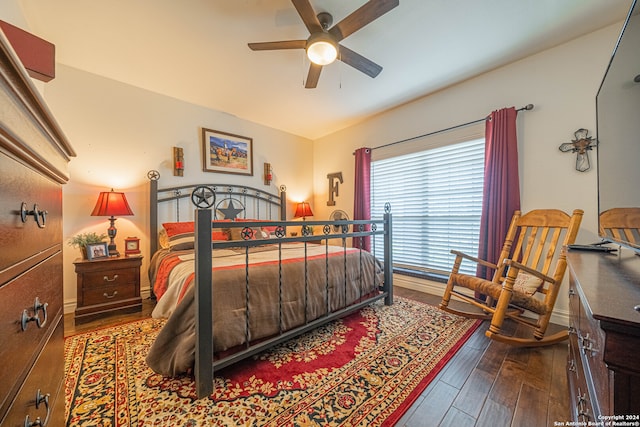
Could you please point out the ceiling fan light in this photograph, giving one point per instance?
(322, 49)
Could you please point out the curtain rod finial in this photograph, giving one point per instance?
(528, 107)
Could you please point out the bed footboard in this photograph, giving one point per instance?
(205, 363)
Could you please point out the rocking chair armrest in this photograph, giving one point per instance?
(516, 265)
(474, 259)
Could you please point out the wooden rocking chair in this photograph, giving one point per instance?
(527, 278)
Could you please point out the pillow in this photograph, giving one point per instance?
(163, 239)
(526, 283)
(268, 228)
(181, 235)
(181, 241)
(257, 233)
(174, 228)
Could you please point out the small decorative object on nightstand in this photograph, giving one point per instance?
(106, 286)
(131, 246)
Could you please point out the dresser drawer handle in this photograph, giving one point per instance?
(37, 306)
(587, 345)
(110, 296)
(40, 398)
(106, 279)
(38, 215)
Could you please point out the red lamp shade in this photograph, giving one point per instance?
(303, 209)
(111, 203)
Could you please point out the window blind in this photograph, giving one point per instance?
(436, 202)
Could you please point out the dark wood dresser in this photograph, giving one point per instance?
(604, 345)
(33, 166)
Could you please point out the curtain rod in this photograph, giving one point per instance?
(526, 108)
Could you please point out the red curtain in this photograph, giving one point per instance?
(362, 198)
(501, 196)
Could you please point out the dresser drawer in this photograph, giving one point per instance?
(580, 399)
(20, 240)
(574, 308)
(46, 380)
(592, 353)
(19, 347)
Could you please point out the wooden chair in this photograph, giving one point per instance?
(527, 277)
(622, 224)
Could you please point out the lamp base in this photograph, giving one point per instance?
(111, 232)
(113, 251)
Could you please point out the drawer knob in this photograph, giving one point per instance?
(37, 306)
(110, 296)
(106, 279)
(38, 215)
(40, 398)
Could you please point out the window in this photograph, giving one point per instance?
(436, 202)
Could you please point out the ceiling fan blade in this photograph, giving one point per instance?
(313, 76)
(308, 15)
(366, 14)
(286, 44)
(359, 62)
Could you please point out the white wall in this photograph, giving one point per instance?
(120, 132)
(560, 82)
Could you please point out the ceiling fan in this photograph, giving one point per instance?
(323, 45)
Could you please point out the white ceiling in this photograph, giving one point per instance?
(196, 50)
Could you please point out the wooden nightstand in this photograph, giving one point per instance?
(107, 286)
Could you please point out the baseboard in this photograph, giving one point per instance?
(559, 317)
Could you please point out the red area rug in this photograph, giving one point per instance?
(364, 370)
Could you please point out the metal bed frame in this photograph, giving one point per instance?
(204, 197)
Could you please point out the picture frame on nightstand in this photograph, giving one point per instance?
(97, 251)
(131, 246)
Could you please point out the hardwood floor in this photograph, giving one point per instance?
(485, 384)
(493, 384)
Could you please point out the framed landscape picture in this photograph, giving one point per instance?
(227, 153)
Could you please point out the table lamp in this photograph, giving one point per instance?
(112, 204)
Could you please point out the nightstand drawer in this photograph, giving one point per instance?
(110, 278)
(109, 294)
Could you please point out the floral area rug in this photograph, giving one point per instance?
(363, 370)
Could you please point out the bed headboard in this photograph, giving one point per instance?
(175, 204)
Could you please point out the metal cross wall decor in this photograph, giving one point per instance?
(581, 145)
